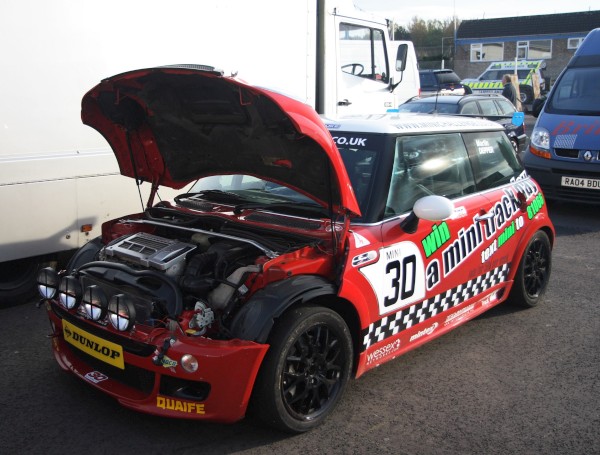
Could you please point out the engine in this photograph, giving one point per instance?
(179, 272)
(147, 250)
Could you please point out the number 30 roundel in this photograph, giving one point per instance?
(398, 277)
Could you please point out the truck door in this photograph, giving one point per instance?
(363, 73)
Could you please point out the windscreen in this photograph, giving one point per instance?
(577, 92)
(428, 107)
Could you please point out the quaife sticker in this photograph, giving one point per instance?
(172, 404)
(398, 277)
(97, 347)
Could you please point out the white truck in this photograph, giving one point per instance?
(59, 180)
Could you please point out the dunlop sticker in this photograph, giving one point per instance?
(104, 350)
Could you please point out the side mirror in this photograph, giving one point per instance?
(430, 208)
(401, 57)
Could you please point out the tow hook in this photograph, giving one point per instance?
(162, 352)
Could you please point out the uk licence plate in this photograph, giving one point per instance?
(97, 347)
(578, 182)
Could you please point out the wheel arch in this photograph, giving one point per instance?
(520, 249)
(257, 318)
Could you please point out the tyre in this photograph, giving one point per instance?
(305, 371)
(533, 273)
(526, 93)
(515, 144)
(18, 280)
(468, 90)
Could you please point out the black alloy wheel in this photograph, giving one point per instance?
(305, 371)
(533, 275)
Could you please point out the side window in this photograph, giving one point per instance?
(505, 107)
(427, 80)
(488, 107)
(492, 157)
(470, 109)
(360, 166)
(428, 164)
(363, 53)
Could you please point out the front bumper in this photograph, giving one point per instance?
(549, 173)
(218, 391)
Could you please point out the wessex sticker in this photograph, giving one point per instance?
(383, 351)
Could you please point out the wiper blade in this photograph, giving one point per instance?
(218, 196)
(288, 207)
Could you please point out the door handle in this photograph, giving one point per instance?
(485, 217)
(344, 102)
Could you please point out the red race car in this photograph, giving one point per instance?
(307, 251)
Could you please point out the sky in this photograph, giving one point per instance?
(402, 11)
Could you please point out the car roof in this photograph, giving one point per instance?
(409, 123)
(445, 70)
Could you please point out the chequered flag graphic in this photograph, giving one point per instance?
(392, 324)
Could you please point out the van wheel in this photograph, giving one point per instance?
(526, 94)
(305, 371)
(533, 273)
(17, 280)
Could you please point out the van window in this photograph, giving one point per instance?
(428, 164)
(576, 93)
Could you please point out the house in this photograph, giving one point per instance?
(551, 37)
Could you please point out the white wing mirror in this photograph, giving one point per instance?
(430, 208)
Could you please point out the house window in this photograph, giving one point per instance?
(487, 52)
(574, 43)
(534, 50)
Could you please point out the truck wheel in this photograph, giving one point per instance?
(305, 371)
(17, 280)
(533, 273)
(526, 93)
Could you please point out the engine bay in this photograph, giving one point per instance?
(196, 270)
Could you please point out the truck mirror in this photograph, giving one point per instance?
(401, 57)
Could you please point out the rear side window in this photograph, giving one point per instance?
(492, 157)
(428, 164)
(505, 107)
(427, 79)
(470, 109)
(488, 107)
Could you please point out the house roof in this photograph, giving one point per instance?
(544, 24)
